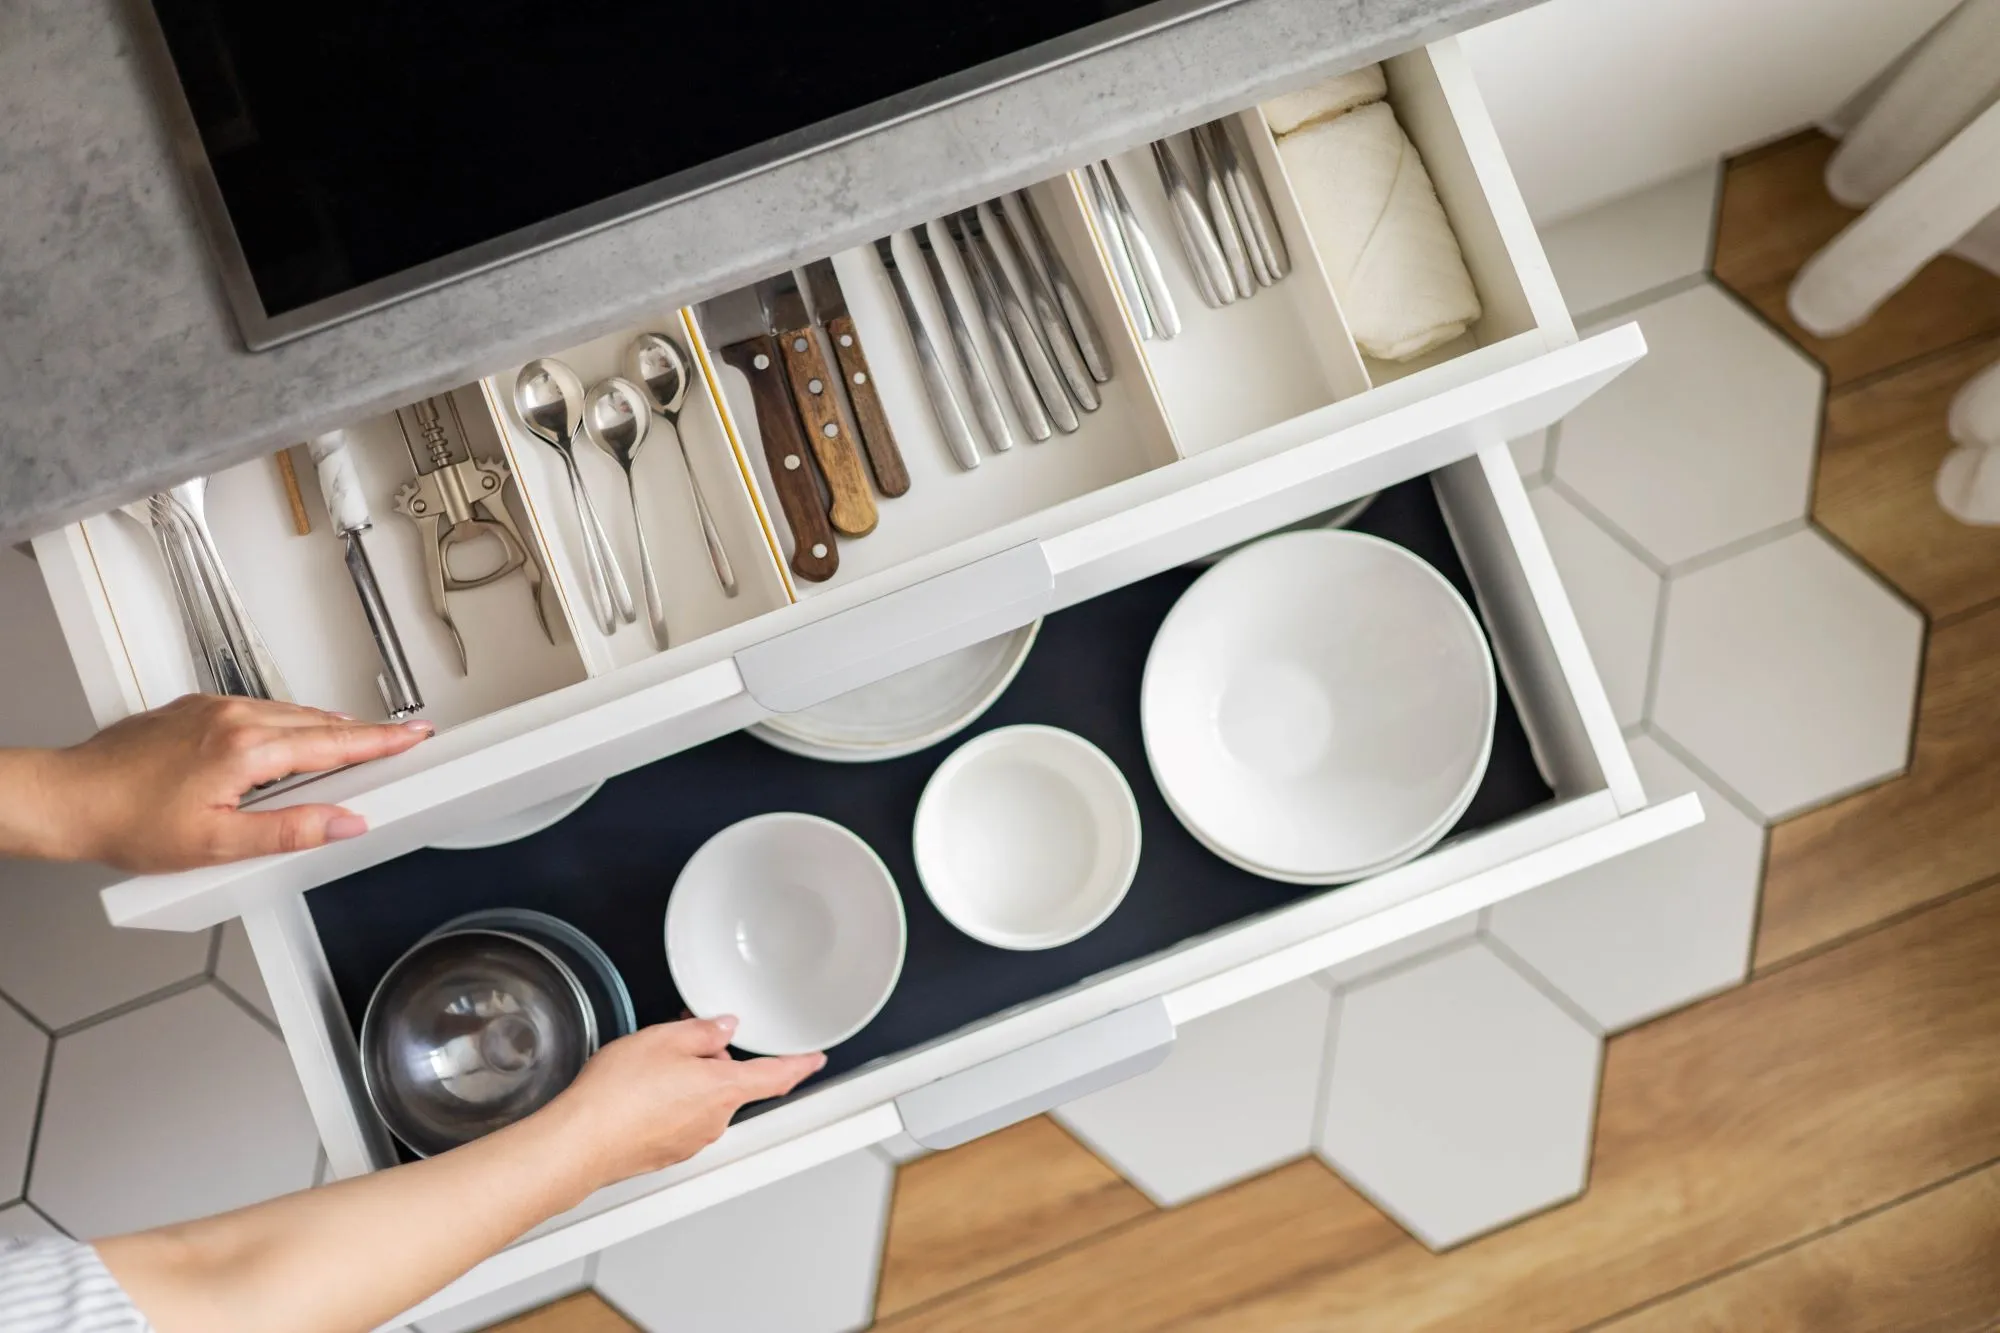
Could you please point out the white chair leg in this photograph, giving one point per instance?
(1968, 482)
(1883, 248)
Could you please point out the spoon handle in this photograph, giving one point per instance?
(600, 586)
(656, 611)
(725, 574)
(621, 591)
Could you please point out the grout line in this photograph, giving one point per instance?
(26, 1017)
(1656, 655)
(35, 1127)
(1756, 932)
(1743, 804)
(166, 992)
(1617, 534)
(1627, 306)
(1797, 1242)
(1721, 175)
(1546, 473)
(257, 1015)
(1785, 337)
(1414, 961)
(1694, 564)
(1827, 946)
(214, 951)
(1965, 613)
(1873, 575)
(1919, 361)
(1529, 973)
(36, 1209)
(1323, 1092)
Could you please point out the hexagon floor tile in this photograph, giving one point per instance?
(63, 962)
(1632, 245)
(1789, 673)
(23, 1055)
(43, 704)
(19, 1221)
(1653, 929)
(509, 1300)
(798, 1256)
(1235, 1098)
(1460, 1098)
(179, 1109)
(1706, 441)
(1531, 454)
(1617, 598)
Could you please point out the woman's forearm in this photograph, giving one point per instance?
(353, 1255)
(29, 824)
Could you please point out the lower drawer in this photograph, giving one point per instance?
(1193, 937)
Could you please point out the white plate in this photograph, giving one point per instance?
(512, 828)
(1318, 704)
(1337, 517)
(907, 712)
(1027, 837)
(791, 923)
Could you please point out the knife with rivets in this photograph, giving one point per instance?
(851, 504)
(829, 306)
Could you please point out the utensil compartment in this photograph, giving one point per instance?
(298, 592)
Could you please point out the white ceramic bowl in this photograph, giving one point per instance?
(791, 923)
(1027, 837)
(520, 824)
(1319, 706)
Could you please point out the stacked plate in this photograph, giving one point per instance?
(1319, 707)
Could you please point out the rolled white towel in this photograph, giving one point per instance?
(1324, 101)
(1381, 232)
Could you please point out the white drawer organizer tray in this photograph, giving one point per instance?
(1260, 414)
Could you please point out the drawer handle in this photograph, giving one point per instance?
(905, 628)
(1039, 1077)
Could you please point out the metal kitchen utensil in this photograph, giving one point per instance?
(1020, 387)
(456, 500)
(944, 403)
(829, 307)
(347, 508)
(985, 403)
(850, 503)
(1198, 243)
(215, 666)
(740, 326)
(1081, 326)
(549, 398)
(1222, 217)
(260, 670)
(1252, 202)
(1145, 260)
(1021, 327)
(616, 416)
(1049, 321)
(661, 369)
(1098, 194)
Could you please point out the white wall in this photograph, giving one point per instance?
(1596, 98)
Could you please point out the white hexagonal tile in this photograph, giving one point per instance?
(509, 1301)
(236, 968)
(1377, 961)
(1789, 673)
(1234, 1099)
(20, 1222)
(43, 704)
(179, 1109)
(63, 962)
(1707, 440)
(1652, 929)
(24, 1052)
(1531, 454)
(1460, 1097)
(799, 1256)
(1632, 245)
(1616, 597)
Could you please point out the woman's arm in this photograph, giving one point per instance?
(351, 1256)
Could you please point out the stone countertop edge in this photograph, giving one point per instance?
(124, 368)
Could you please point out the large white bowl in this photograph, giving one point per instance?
(1027, 837)
(1319, 706)
(791, 923)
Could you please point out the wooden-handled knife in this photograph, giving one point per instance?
(829, 304)
(852, 506)
(740, 325)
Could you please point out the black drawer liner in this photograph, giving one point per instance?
(608, 868)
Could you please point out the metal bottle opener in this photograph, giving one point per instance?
(457, 500)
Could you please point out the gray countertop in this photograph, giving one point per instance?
(123, 369)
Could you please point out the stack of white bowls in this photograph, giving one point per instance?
(1319, 707)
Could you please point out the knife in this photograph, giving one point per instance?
(347, 508)
(944, 403)
(741, 327)
(829, 306)
(852, 507)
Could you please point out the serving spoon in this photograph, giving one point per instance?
(616, 416)
(659, 366)
(549, 398)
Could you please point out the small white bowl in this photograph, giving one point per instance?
(791, 923)
(1318, 705)
(1027, 837)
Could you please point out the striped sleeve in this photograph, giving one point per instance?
(61, 1286)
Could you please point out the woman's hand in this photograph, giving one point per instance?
(159, 791)
(664, 1093)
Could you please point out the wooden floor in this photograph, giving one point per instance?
(1817, 1150)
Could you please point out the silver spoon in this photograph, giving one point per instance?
(549, 397)
(615, 417)
(661, 369)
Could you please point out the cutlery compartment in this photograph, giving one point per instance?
(690, 592)
(298, 592)
(1126, 436)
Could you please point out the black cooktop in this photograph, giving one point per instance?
(354, 153)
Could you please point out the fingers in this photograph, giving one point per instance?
(277, 751)
(296, 828)
(774, 1075)
(699, 1036)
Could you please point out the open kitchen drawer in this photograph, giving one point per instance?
(1190, 474)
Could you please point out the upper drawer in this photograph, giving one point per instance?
(1260, 413)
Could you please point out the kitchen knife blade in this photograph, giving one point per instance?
(739, 326)
(852, 507)
(829, 305)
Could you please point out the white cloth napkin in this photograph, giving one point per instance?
(1968, 483)
(1324, 101)
(1383, 235)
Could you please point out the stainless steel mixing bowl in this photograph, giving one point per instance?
(470, 1031)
